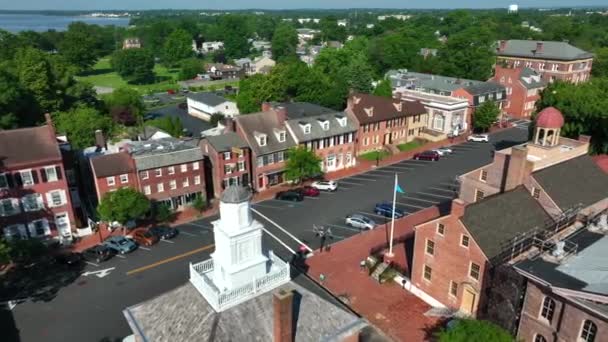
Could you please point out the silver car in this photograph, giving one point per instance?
(360, 222)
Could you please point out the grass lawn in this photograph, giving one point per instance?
(103, 76)
(409, 146)
(372, 156)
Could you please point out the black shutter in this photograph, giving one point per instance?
(59, 175)
(35, 176)
(18, 180)
(43, 175)
(265, 159)
(10, 180)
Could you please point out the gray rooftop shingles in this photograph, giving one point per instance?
(226, 141)
(297, 110)
(439, 83)
(534, 78)
(550, 50)
(163, 152)
(207, 98)
(183, 315)
(573, 182)
(27, 145)
(317, 131)
(490, 227)
(265, 123)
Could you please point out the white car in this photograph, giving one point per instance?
(443, 151)
(478, 138)
(359, 221)
(325, 185)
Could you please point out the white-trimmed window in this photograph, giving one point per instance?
(474, 271)
(554, 67)
(261, 139)
(539, 338)
(3, 181)
(184, 167)
(171, 170)
(588, 332)
(158, 172)
(541, 66)
(197, 180)
(186, 183)
(51, 174)
(195, 166)
(483, 176)
(15, 232)
(547, 309)
(464, 241)
(281, 136)
(482, 99)
(27, 178)
(271, 158)
(306, 128)
(39, 228)
(427, 273)
(441, 229)
(260, 161)
(535, 192)
(9, 206)
(124, 178)
(479, 195)
(173, 185)
(32, 202)
(160, 187)
(430, 247)
(226, 155)
(144, 175)
(147, 190)
(325, 125)
(56, 198)
(453, 288)
(111, 181)
(241, 164)
(498, 96)
(280, 156)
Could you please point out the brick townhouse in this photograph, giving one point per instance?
(227, 160)
(35, 199)
(553, 60)
(167, 170)
(384, 122)
(523, 88)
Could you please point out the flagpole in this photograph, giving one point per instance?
(390, 243)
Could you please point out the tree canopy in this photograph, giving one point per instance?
(469, 330)
(302, 164)
(177, 46)
(284, 42)
(170, 124)
(383, 88)
(190, 68)
(80, 124)
(81, 45)
(123, 205)
(485, 116)
(125, 105)
(134, 65)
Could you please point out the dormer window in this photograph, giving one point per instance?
(305, 127)
(324, 124)
(280, 134)
(398, 106)
(341, 120)
(369, 111)
(261, 138)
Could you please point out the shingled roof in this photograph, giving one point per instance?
(550, 50)
(18, 147)
(207, 98)
(264, 123)
(112, 164)
(573, 182)
(498, 218)
(370, 108)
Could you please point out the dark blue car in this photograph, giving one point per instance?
(386, 210)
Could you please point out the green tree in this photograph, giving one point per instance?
(469, 330)
(252, 92)
(5, 251)
(170, 124)
(468, 54)
(330, 29)
(199, 204)
(126, 100)
(80, 124)
(80, 45)
(163, 213)
(284, 42)
(215, 118)
(134, 65)
(11, 100)
(190, 68)
(178, 46)
(235, 33)
(123, 205)
(485, 115)
(600, 63)
(35, 74)
(383, 88)
(301, 164)
(358, 74)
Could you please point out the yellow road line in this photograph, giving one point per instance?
(173, 258)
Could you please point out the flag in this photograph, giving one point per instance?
(398, 189)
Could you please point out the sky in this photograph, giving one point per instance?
(281, 4)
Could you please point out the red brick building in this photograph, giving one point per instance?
(167, 170)
(385, 122)
(553, 60)
(228, 160)
(523, 86)
(35, 200)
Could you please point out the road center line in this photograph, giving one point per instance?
(173, 258)
(281, 228)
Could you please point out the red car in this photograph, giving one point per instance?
(171, 92)
(308, 191)
(427, 155)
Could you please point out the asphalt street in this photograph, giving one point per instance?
(90, 309)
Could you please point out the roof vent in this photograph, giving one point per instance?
(601, 225)
(558, 251)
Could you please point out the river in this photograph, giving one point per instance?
(40, 22)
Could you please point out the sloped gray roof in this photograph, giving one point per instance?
(317, 131)
(550, 50)
(573, 182)
(207, 98)
(163, 152)
(439, 83)
(297, 110)
(235, 194)
(485, 88)
(183, 315)
(226, 141)
(529, 73)
(264, 123)
(494, 220)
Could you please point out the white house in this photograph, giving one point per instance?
(204, 105)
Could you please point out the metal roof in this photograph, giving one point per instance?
(207, 98)
(163, 152)
(550, 50)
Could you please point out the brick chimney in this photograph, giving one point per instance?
(502, 46)
(518, 167)
(266, 106)
(229, 125)
(282, 302)
(281, 114)
(51, 125)
(397, 95)
(458, 207)
(539, 47)
(100, 140)
(584, 138)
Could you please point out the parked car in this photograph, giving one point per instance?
(478, 138)
(386, 210)
(98, 253)
(427, 155)
(308, 191)
(360, 221)
(70, 259)
(120, 244)
(144, 237)
(289, 196)
(325, 185)
(171, 92)
(443, 151)
(164, 232)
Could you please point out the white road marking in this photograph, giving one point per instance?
(362, 178)
(448, 184)
(345, 228)
(376, 215)
(350, 183)
(92, 263)
(167, 241)
(186, 233)
(434, 195)
(442, 189)
(121, 256)
(398, 167)
(281, 228)
(267, 206)
(411, 205)
(144, 248)
(288, 203)
(419, 199)
(100, 273)
(200, 225)
(386, 171)
(281, 242)
(311, 198)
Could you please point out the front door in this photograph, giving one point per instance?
(387, 139)
(468, 301)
